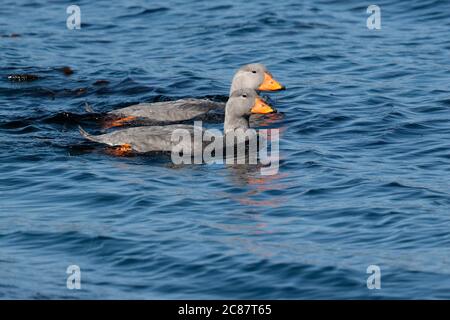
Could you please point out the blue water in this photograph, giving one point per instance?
(365, 152)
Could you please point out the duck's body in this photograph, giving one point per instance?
(170, 111)
(145, 139)
(160, 138)
(252, 76)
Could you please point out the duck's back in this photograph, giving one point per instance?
(150, 138)
(178, 110)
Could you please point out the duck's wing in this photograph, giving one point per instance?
(179, 110)
(146, 139)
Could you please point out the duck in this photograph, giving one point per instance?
(240, 105)
(254, 76)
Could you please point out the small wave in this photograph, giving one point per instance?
(144, 13)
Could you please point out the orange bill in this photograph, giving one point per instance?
(261, 107)
(270, 84)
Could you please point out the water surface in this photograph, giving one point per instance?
(364, 171)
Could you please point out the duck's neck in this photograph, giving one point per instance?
(232, 123)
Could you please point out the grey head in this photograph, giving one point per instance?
(248, 76)
(241, 104)
(255, 76)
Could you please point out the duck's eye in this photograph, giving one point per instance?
(253, 71)
(244, 96)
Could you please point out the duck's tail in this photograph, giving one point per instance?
(87, 135)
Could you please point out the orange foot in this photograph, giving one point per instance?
(118, 122)
(120, 151)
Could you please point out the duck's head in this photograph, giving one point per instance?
(255, 76)
(244, 102)
(241, 104)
